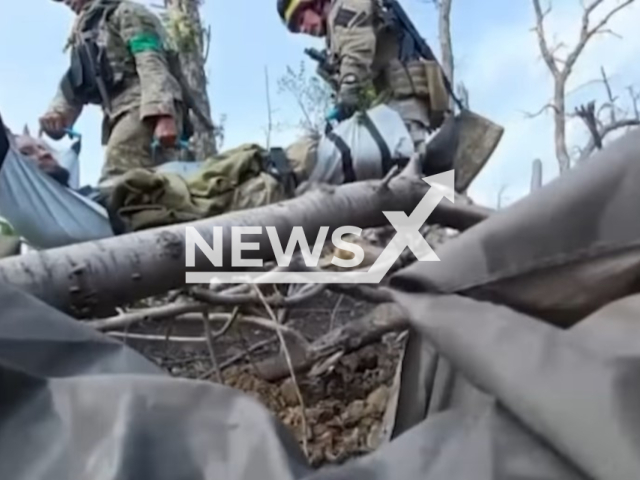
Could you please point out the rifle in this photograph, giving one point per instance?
(412, 42)
(175, 67)
(326, 69)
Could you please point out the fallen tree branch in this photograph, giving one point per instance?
(292, 373)
(213, 298)
(588, 115)
(145, 314)
(111, 325)
(363, 292)
(385, 318)
(236, 358)
(90, 278)
(156, 338)
(209, 337)
(606, 131)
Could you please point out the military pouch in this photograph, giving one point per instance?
(89, 78)
(438, 94)
(408, 80)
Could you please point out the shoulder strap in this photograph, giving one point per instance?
(385, 153)
(345, 155)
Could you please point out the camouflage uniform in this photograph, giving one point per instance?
(134, 43)
(365, 51)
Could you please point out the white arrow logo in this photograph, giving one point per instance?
(408, 235)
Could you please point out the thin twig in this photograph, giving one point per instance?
(167, 334)
(141, 315)
(257, 321)
(389, 176)
(210, 347)
(269, 112)
(156, 338)
(277, 301)
(634, 101)
(250, 350)
(251, 320)
(612, 99)
(206, 45)
(334, 312)
(305, 430)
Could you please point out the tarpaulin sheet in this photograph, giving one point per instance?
(43, 211)
(525, 399)
(48, 214)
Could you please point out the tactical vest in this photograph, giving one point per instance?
(411, 75)
(401, 72)
(90, 78)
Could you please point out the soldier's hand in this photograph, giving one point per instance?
(348, 99)
(166, 131)
(53, 124)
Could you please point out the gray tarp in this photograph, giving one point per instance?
(523, 399)
(44, 212)
(49, 215)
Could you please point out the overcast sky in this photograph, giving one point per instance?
(495, 50)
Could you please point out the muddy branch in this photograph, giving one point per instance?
(383, 319)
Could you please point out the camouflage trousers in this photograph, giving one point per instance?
(129, 145)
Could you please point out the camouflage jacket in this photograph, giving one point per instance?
(134, 41)
(364, 45)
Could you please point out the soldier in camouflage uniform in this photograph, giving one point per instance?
(125, 44)
(364, 52)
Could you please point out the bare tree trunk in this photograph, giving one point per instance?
(88, 279)
(193, 59)
(536, 175)
(444, 35)
(559, 119)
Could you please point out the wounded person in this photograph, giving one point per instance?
(42, 155)
(365, 147)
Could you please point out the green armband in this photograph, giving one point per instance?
(145, 42)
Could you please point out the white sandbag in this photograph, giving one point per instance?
(365, 153)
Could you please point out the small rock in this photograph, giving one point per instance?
(354, 413)
(377, 400)
(289, 392)
(374, 438)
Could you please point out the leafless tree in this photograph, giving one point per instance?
(536, 175)
(192, 40)
(607, 119)
(561, 68)
(446, 48)
(269, 128)
(312, 95)
(500, 198)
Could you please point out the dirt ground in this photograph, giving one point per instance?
(344, 404)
